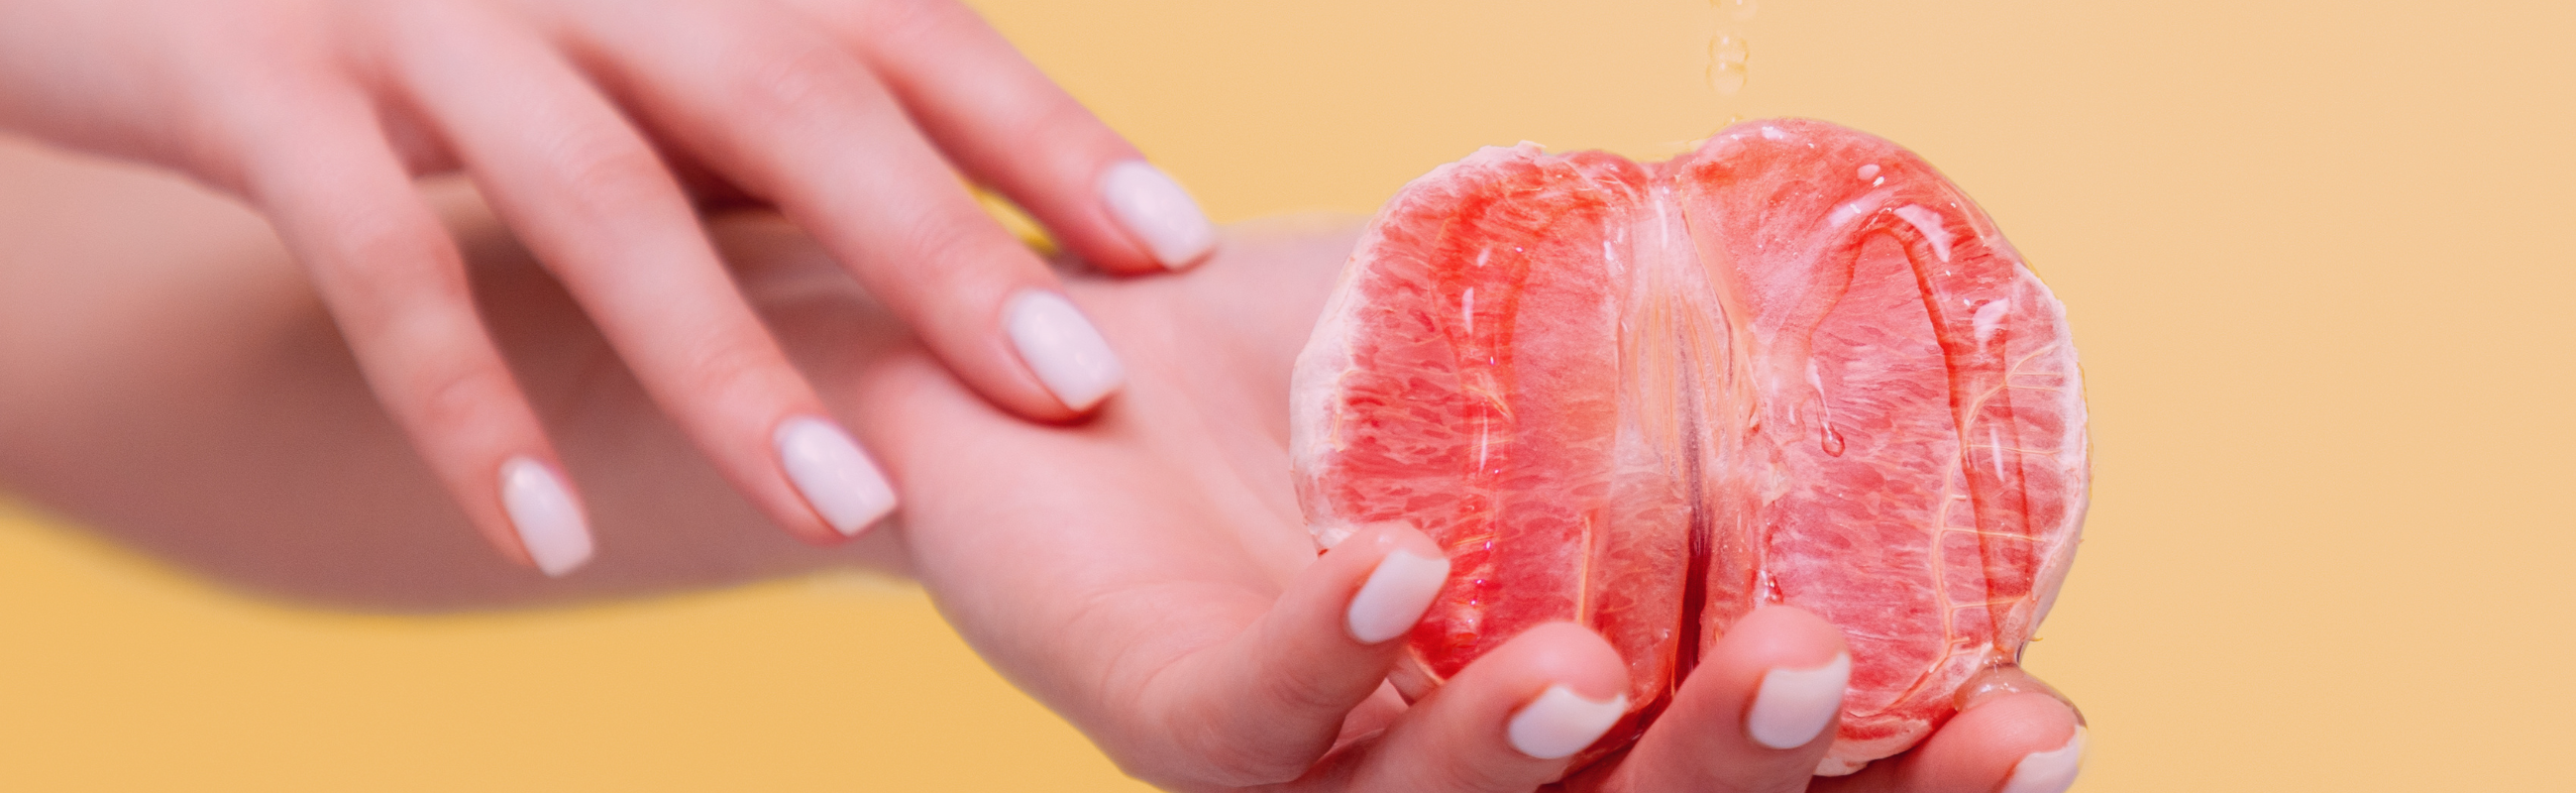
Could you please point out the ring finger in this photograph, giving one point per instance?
(591, 199)
(787, 113)
(1511, 721)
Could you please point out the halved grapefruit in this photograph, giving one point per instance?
(1794, 366)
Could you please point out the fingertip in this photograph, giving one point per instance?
(1795, 706)
(1575, 688)
(1756, 713)
(1570, 654)
(837, 479)
(2010, 679)
(1063, 349)
(1795, 666)
(1403, 581)
(1781, 636)
(2049, 771)
(2019, 724)
(1265, 704)
(1157, 213)
(1559, 722)
(545, 515)
(2022, 742)
(1379, 538)
(1510, 719)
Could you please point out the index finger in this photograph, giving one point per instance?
(2013, 735)
(1755, 716)
(1000, 119)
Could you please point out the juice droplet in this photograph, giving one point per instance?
(1833, 441)
(1740, 9)
(1726, 58)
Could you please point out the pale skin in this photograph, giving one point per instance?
(597, 128)
(1143, 573)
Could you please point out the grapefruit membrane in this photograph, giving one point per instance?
(1796, 365)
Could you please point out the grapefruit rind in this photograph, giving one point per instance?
(1739, 297)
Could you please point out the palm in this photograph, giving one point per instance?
(1091, 562)
(1083, 559)
(1145, 573)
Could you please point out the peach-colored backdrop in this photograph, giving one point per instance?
(2315, 254)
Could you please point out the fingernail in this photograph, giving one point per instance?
(1067, 353)
(1793, 705)
(1159, 212)
(2052, 771)
(550, 525)
(1395, 596)
(1560, 723)
(835, 477)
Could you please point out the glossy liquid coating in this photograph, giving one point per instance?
(1794, 366)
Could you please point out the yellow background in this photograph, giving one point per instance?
(2315, 255)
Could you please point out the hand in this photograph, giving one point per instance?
(578, 119)
(1130, 573)
(1146, 575)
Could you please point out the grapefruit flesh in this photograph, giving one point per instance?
(1794, 366)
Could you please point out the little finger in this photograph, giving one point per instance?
(593, 201)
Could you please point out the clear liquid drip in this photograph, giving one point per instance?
(1726, 61)
(1739, 9)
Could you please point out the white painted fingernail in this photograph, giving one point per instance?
(836, 478)
(2052, 771)
(1395, 596)
(1159, 212)
(550, 525)
(1067, 353)
(1793, 705)
(1560, 723)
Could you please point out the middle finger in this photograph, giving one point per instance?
(1508, 722)
(590, 197)
(1755, 716)
(784, 111)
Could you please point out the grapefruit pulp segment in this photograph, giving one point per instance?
(1794, 366)
(1473, 391)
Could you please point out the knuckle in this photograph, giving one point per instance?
(1208, 741)
(1055, 117)
(1453, 775)
(382, 239)
(737, 374)
(1065, 140)
(388, 263)
(949, 242)
(797, 84)
(913, 21)
(602, 170)
(1295, 690)
(1237, 754)
(1245, 762)
(463, 401)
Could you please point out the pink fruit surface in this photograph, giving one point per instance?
(1794, 366)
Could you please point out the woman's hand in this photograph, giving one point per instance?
(581, 121)
(1146, 574)
(173, 382)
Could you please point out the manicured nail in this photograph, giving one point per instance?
(550, 525)
(1395, 596)
(1067, 353)
(1794, 705)
(1159, 212)
(835, 477)
(1560, 723)
(2052, 771)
